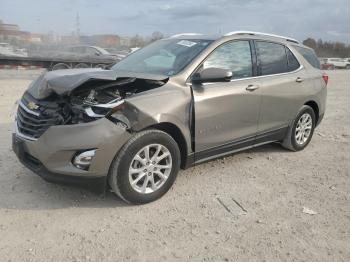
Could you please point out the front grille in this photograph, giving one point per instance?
(33, 123)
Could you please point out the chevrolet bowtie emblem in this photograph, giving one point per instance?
(32, 106)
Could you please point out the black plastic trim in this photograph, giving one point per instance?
(269, 136)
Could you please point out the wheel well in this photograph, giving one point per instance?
(177, 135)
(314, 106)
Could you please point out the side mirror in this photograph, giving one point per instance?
(97, 54)
(212, 74)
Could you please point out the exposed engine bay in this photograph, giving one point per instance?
(96, 100)
(87, 102)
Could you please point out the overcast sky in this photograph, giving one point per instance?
(326, 19)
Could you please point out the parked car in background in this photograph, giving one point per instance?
(347, 63)
(84, 53)
(335, 63)
(91, 51)
(176, 103)
(326, 64)
(121, 54)
(8, 50)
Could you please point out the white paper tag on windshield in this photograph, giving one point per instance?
(186, 43)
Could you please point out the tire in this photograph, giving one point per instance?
(120, 176)
(81, 65)
(347, 67)
(294, 142)
(60, 66)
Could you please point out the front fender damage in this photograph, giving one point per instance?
(85, 95)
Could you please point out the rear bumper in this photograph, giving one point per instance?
(50, 156)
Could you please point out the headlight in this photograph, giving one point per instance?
(101, 110)
(111, 111)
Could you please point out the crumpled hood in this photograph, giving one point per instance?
(63, 82)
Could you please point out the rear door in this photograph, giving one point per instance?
(226, 112)
(282, 81)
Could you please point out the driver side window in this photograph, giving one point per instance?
(234, 56)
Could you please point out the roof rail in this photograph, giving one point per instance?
(259, 33)
(184, 34)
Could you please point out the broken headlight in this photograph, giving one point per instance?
(101, 110)
(113, 112)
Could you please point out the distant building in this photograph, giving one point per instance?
(9, 27)
(125, 41)
(51, 37)
(35, 38)
(101, 40)
(12, 32)
(69, 39)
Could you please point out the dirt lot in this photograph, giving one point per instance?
(198, 220)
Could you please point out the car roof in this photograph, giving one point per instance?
(239, 35)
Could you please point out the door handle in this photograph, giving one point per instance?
(252, 87)
(299, 80)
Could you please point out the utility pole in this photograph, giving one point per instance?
(78, 27)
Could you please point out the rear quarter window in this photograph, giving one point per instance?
(309, 56)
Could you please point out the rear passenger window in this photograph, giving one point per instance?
(293, 63)
(272, 58)
(309, 56)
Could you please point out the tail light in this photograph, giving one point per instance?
(325, 78)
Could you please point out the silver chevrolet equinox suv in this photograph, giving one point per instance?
(173, 104)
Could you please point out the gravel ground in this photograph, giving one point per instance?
(246, 207)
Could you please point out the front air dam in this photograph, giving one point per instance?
(50, 156)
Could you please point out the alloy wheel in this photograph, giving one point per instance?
(303, 129)
(150, 168)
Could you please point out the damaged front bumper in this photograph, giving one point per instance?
(51, 155)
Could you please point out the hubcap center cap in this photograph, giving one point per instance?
(150, 169)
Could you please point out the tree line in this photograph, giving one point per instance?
(139, 41)
(328, 48)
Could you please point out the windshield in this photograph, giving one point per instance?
(165, 57)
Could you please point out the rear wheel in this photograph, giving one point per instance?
(301, 131)
(145, 168)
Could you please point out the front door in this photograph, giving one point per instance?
(226, 113)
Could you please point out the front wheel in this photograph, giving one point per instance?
(145, 168)
(301, 131)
